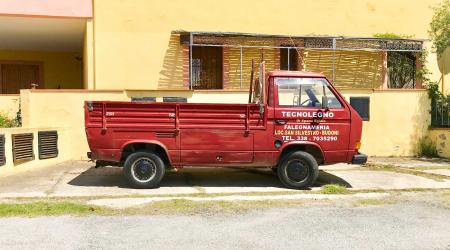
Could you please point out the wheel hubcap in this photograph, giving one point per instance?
(143, 170)
(297, 171)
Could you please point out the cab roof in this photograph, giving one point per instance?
(285, 73)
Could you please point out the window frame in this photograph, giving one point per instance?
(276, 97)
(292, 52)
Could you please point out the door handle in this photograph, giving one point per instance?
(280, 122)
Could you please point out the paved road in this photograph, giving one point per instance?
(415, 225)
(79, 178)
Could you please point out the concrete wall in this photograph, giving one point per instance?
(65, 110)
(64, 147)
(397, 119)
(61, 69)
(9, 105)
(134, 48)
(441, 137)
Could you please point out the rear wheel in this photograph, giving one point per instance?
(298, 170)
(144, 170)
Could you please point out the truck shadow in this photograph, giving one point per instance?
(197, 177)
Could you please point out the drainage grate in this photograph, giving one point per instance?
(22, 147)
(48, 144)
(2, 150)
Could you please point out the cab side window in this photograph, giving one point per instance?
(305, 92)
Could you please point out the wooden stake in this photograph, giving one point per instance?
(251, 82)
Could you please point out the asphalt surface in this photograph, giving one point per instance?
(411, 225)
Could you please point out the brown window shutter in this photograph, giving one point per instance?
(22, 147)
(48, 144)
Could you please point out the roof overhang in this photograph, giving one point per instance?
(42, 34)
(249, 40)
(285, 73)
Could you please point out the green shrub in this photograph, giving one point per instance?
(334, 189)
(390, 35)
(427, 147)
(6, 122)
(440, 27)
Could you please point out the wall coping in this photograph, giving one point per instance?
(74, 91)
(28, 130)
(190, 90)
(446, 129)
(10, 95)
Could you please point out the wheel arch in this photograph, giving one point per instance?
(309, 147)
(147, 146)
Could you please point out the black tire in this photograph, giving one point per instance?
(298, 170)
(144, 170)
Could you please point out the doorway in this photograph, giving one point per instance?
(18, 75)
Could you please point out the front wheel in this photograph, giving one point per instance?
(298, 170)
(144, 170)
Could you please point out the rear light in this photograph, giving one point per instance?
(358, 145)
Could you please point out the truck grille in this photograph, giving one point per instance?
(48, 144)
(22, 147)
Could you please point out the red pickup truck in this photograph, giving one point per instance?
(292, 124)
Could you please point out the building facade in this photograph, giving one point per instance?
(59, 53)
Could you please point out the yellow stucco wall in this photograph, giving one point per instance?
(64, 149)
(172, 70)
(133, 38)
(441, 137)
(61, 69)
(129, 45)
(9, 105)
(397, 118)
(64, 111)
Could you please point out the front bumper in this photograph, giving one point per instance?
(359, 159)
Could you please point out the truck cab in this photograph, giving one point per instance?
(294, 122)
(307, 109)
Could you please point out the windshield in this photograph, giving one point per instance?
(305, 92)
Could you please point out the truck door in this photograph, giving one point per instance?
(300, 117)
(215, 134)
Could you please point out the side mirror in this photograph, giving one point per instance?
(324, 102)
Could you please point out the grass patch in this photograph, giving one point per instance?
(42, 208)
(431, 167)
(373, 202)
(187, 207)
(401, 170)
(176, 206)
(427, 147)
(334, 189)
(54, 206)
